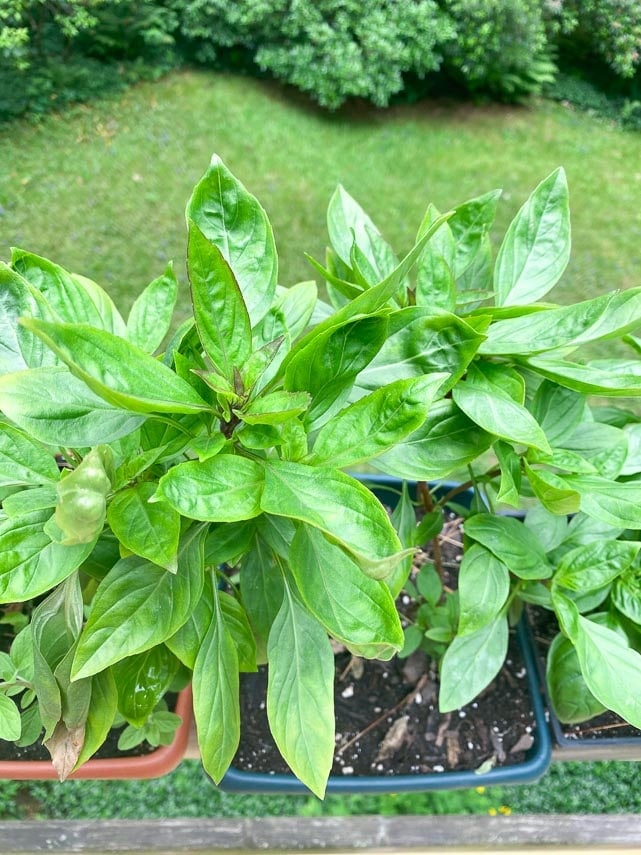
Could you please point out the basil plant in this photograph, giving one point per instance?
(538, 415)
(179, 510)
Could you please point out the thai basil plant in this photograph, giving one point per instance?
(529, 415)
(173, 500)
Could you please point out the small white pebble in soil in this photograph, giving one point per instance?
(405, 600)
(418, 698)
(377, 709)
(379, 767)
(458, 557)
(347, 770)
(475, 706)
(262, 705)
(385, 675)
(520, 674)
(348, 692)
(495, 729)
(528, 729)
(470, 745)
(462, 713)
(439, 768)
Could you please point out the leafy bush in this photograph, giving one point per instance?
(500, 48)
(334, 50)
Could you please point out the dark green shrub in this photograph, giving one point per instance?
(501, 47)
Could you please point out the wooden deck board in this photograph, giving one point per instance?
(329, 834)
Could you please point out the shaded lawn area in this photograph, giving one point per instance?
(102, 189)
(187, 792)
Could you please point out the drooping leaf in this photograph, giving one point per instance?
(261, 587)
(300, 693)
(483, 587)
(607, 377)
(103, 705)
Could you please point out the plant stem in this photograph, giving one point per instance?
(466, 485)
(423, 492)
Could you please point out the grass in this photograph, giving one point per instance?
(187, 792)
(102, 189)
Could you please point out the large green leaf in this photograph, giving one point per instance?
(139, 605)
(608, 501)
(604, 446)
(558, 410)
(610, 668)
(421, 342)
(300, 693)
(512, 543)
(470, 225)
(23, 461)
(233, 220)
(487, 404)
(536, 247)
(445, 443)
(483, 587)
(30, 562)
(220, 312)
(225, 488)
(142, 681)
(150, 530)
(118, 371)
(594, 565)
(150, 316)
(237, 622)
(216, 702)
(435, 286)
(607, 377)
(19, 349)
(73, 298)
(353, 608)
(375, 423)
(552, 491)
(103, 706)
(261, 587)
(53, 406)
(10, 721)
(187, 640)
(471, 662)
(338, 505)
(571, 699)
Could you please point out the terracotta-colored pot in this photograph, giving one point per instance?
(154, 765)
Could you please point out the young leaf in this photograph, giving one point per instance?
(512, 543)
(483, 586)
(536, 247)
(274, 408)
(18, 348)
(470, 225)
(142, 681)
(626, 594)
(300, 693)
(150, 316)
(216, 703)
(404, 521)
(150, 530)
(225, 488)
(235, 222)
(221, 316)
(608, 377)
(471, 662)
(595, 565)
(435, 286)
(338, 505)
(129, 612)
(510, 464)
(552, 491)
(118, 371)
(376, 422)
(353, 608)
(23, 461)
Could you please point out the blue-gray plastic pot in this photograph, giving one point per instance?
(534, 765)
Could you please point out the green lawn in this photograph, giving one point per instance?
(102, 189)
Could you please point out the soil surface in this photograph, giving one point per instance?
(607, 725)
(387, 718)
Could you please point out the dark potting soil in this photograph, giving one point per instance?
(387, 718)
(607, 725)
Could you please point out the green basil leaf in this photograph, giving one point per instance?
(354, 609)
(150, 530)
(150, 316)
(10, 721)
(118, 371)
(221, 316)
(490, 407)
(632, 464)
(536, 247)
(225, 488)
(129, 611)
(571, 699)
(274, 408)
(435, 286)
(27, 501)
(73, 298)
(552, 491)
(610, 502)
(216, 697)
(605, 446)
(19, 349)
(30, 563)
(471, 662)
(338, 505)
(558, 410)
(470, 225)
(512, 543)
(608, 377)
(237, 623)
(510, 464)
(549, 529)
(404, 521)
(447, 441)
(235, 222)
(297, 305)
(300, 693)
(187, 641)
(626, 594)
(420, 342)
(376, 423)
(349, 225)
(142, 681)
(23, 461)
(595, 565)
(261, 587)
(483, 588)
